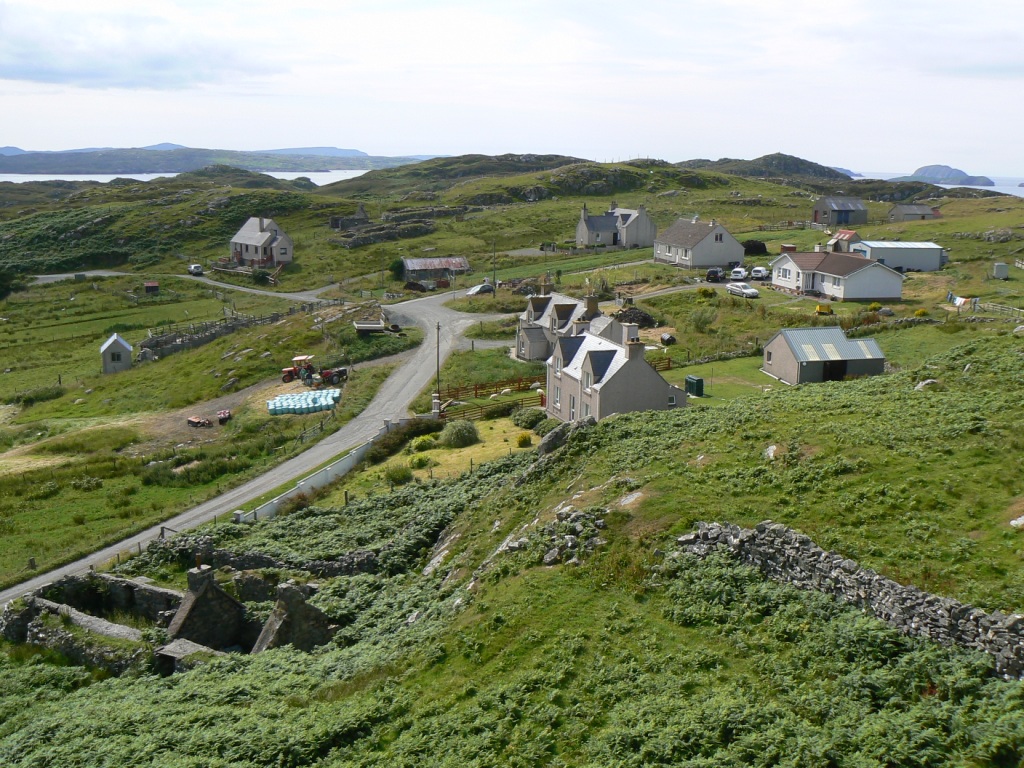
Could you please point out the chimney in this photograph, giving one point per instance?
(261, 223)
(713, 223)
(545, 288)
(592, 309)
(630, 333)
(635, 349)
(695, 218)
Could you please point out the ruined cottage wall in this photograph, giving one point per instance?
(790, 557)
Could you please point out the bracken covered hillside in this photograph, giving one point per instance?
(540, 612)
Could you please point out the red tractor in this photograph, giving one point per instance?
(333, 375)
(301, 368)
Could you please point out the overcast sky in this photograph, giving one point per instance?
(870, 85)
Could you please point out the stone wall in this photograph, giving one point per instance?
(103, 595)
(787, 556)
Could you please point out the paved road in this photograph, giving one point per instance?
(391, 403)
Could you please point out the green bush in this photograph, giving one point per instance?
(527, 418)
(706, 293)
(501, 410)
(33, 396)
(921, 312)
(392, 442)
(421, 462)
(874, 306)
(459, 434)
(543, 427)
(524, 440)
(702, 319)
(398, 474)
(423, 443)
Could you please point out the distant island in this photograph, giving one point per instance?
(174, 158)
(943, 174)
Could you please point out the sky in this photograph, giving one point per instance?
(868, 85)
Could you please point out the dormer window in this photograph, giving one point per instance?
(588, 379)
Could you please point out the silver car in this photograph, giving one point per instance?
(742, 289)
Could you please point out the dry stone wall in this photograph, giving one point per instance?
(786, 556)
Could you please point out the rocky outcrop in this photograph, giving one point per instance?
(786, 556)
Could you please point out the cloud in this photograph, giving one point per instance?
(120, 46)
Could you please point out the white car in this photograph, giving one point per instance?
(742, 289)
(195, 269)
(738, 273)
(760, 273)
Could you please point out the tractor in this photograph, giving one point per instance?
(333, 375)
(301, 368)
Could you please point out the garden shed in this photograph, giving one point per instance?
(116, 354)
(807, 355)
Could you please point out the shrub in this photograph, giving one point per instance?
(459, 434)
(398, 474)
(921, 312)
(528, 418)
(423, 443)
(524, 440)
(33, 396)
(543, 427)
(421, 462)
(702, 319)
(754, 248)
(393, 441)
(874, 306)
(706, 293)
(501, 410)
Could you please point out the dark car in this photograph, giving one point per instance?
(477, 290)
(715, 275)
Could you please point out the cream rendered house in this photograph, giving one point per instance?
(839, 276)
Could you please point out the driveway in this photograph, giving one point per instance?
(444, 328)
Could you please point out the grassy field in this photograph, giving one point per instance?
(465, 368)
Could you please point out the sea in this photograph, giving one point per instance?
(317, 177)
(1005, 185)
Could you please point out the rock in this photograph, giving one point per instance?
(552, 556)
(926, 383)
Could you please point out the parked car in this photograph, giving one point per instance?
(742, 289)
(478, 290)
(195, 269)
(715, 275)
(738, 273)
(760, 273)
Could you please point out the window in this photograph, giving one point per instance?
(115, 357)
(784, 273)
(837, 281)
(588, 379)
(572, 407)
(671, 399)
(719, 237)
(768, 357)
(558, 397)
(522, 347)
(586, 410)
(558, 366)
(284, 251)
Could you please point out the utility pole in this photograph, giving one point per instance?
(494, 267)
(439, 358)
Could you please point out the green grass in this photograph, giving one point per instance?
(465, 368)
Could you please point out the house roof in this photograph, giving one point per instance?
(440, 262)
(842, 204)
(606, 358)
(830, 343)
(686, 234)
(252, 234)
(845, 234)
(832, 263)
(115, 339)
(563, 308)
(896, 244)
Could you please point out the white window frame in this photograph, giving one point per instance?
(558, 397)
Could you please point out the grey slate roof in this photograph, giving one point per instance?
(685, 234)
(814, 344)
(842, 203)
(915, 209)
(250, 233)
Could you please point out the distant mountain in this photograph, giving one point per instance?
(325, 151)
(943, 174)
(8, 151)
(851, 174)
(165, 146)
(772, 166)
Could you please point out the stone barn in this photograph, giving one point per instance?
(116, 354)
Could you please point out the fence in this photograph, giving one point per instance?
(477, 412)
(173, 338)
(1001, 309)
(1018, 263)
(519, 384)
(316, 429)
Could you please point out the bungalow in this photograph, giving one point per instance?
(593, 375)
(261, 243)
(694, 245)
(840, 276)
(618, 226)
(916, 257)
(913, 212)
(832, 211)
(116, 354)
(804, 355)
(549, 316)
(439, 268)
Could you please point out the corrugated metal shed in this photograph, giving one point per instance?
(816, 344)
(843, 203)
(454, 263)
(896, 244)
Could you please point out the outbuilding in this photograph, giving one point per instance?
(902, 256)
(116, 354)
(807, 355)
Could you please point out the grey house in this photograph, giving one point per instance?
(593, 375)
(913, 212)
(833, 211)
(548, 317)
(617, 226)
(116, 354)
(261, 243)
(805, 355)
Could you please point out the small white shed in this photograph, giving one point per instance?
(116, 354)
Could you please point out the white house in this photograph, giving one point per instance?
(116, 354)
(618, 226)
(903, 256)
(695, 244)
(839, 276)
(261, 243)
